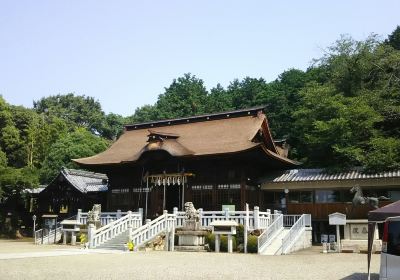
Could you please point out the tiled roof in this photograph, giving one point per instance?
(85, 181)
(305, 175)
(34, 190)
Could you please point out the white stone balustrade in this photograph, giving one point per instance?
(257, 219)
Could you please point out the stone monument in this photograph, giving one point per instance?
(191, 237)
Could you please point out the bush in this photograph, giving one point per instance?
(252, 244)
(240, 234)
(210, 240)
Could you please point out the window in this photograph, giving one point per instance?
(300, 196)
(327, 196)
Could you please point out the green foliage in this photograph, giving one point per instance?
(210, 240)
(14, 180)
(3, 159)
(252, 244)
(77, 144)
(81, 111)
(186, 96)
(394, 39)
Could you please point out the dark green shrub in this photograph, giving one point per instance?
(224, 243)
(210, 240)
(240, 234)
(252, 244)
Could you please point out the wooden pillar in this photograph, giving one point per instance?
(214, 197)
(243, 191)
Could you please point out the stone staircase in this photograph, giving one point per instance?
(117, 243)
(275, 248)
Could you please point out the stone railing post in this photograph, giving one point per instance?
(78, 215)
(269, 220)
(172, 238)
(91, 230)
(200, 210)
(256, 217)
(141, 216)
(148, 221)
(226, 213)
(130, 229)
(166, 242)
(130, 220)
(118, 214)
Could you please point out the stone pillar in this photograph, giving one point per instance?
(73, 238)
(200, 210)
(130, 221)
(217, 242)
(230, 249)
(78, 215)
(166, 241)
(91, 230)
(118, 214)
(256, 217)
(172, 238)
(226, 214)
(148, 226)
(141, 216)
(64, 237)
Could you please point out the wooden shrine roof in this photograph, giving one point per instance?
(215, 134)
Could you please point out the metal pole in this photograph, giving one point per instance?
(183, 193)
(164, 199)
(147, 194)
(338, 238)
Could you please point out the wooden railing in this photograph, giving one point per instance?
(257, 219)
(295, 232)
(99, 236)
(270, 232)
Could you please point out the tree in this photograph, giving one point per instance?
(186, 96)
(80, 110)
(77, 144)
(394, 38)
(113, 126)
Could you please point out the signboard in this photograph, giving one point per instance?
(324, 238)
(337, 219)
(332, 238)
(230, 207)
(359, 231)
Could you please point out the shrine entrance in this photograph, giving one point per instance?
(173, 197)
(172, 188)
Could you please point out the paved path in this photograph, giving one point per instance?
(55, 253)
(81, 264)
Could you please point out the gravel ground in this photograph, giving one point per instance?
(307, 264)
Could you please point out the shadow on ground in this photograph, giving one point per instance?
(361, 276)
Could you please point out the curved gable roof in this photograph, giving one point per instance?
(227, 134)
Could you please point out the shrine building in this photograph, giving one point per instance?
(214, 160)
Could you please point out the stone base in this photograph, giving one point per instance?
(191, 238)
(190, 248)
(357, 246)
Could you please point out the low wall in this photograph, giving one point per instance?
(303, 242)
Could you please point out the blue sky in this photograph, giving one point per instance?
(124, 53)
